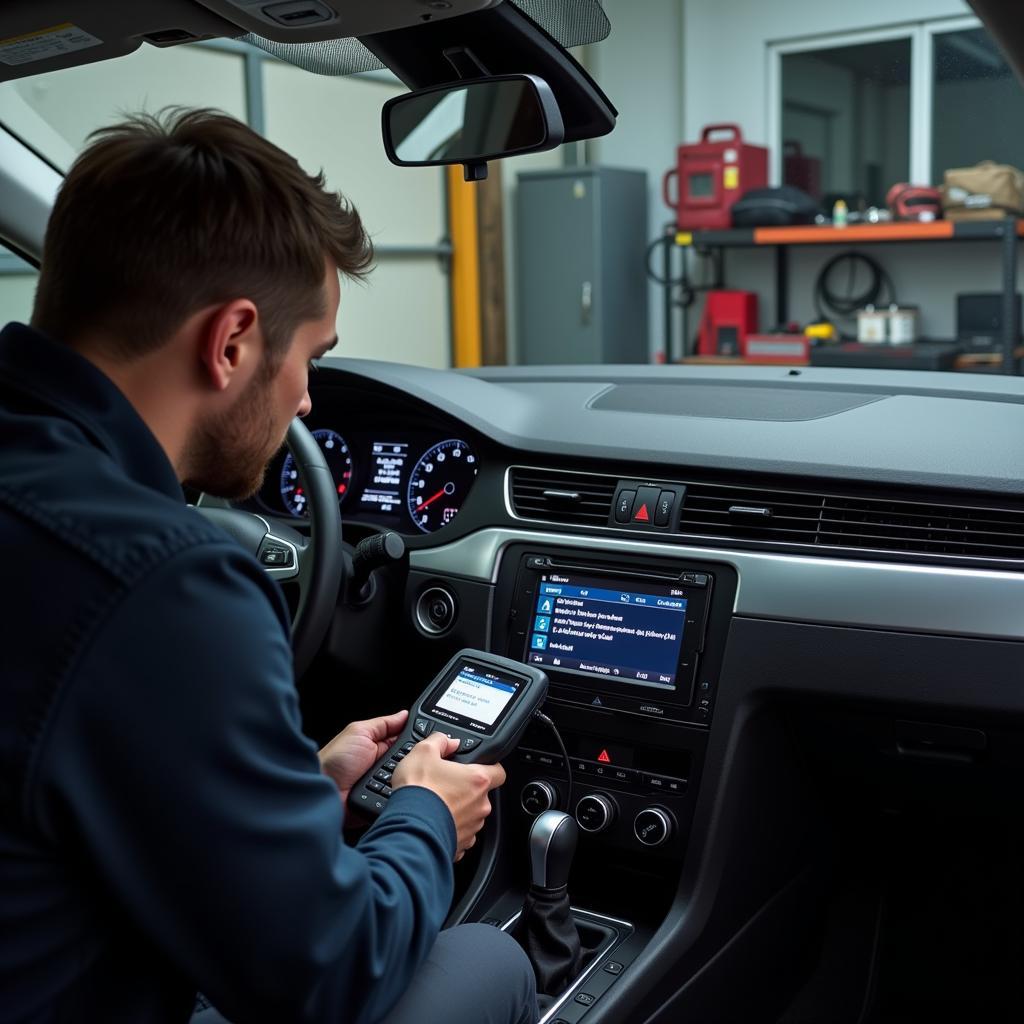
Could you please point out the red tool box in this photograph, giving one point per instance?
(711, 175)
(730, 317)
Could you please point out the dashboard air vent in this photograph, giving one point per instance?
(834, 521)
(551, 495)
(953, 530)
(748, 513)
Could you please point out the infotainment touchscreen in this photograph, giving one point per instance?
(608, 627)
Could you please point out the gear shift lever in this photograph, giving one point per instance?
(546, 929)
(552, 845)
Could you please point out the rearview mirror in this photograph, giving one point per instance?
(472, 122)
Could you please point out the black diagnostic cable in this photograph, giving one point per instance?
(541, 717)
(832, 304)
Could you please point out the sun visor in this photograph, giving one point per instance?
(49, 35)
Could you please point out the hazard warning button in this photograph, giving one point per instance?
(646, 505)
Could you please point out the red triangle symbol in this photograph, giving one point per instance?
(643, 516)
(603, 756)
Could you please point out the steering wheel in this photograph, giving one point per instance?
(316, 564)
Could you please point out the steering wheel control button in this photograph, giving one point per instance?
(652, 826)
(663, 514)
(645, 505)
(624, 506)
(537, 797)
(422, 726)
(276, 556)
(436, 611)
(595, 812)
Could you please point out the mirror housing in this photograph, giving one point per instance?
(472, 121)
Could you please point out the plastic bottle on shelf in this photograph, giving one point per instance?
(840, 214)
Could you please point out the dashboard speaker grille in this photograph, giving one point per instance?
(903, 525)
(923, 527)
(556, 496)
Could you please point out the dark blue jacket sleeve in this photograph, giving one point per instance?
(175, 765)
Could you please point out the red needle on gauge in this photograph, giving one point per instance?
(440, 494)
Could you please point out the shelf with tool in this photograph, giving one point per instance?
(714, 243)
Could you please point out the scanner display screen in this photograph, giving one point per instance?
(474, 697)
(628, 631)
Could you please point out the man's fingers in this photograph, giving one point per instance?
(497, 776)
(389, 726)
(444, 745)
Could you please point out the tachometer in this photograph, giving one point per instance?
(439, 484)
(339, 462)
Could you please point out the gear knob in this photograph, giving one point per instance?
(552, 845)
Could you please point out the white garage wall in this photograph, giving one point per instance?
(725, 59)
(56, 112)
(640, 67)
(401, 312)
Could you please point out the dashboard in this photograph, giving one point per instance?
(752, 590)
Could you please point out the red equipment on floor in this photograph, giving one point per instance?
(730, 317)
(712, 175)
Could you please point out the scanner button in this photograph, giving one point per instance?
(423, 726)
(468, 744)
(666, 503)
(624, 506)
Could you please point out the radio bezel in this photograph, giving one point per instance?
(534, 564)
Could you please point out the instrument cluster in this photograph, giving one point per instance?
(405, 480)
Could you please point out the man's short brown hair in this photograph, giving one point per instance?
(163, 215)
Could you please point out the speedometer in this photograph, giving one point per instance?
(339, 462)
(439, 484)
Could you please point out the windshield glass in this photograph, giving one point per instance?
(652, 244)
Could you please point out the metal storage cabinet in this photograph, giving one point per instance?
(581, 290)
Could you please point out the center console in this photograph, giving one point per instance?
(633, 650)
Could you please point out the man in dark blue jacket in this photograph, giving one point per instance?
(165, 827)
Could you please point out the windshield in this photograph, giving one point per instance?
(635, 247)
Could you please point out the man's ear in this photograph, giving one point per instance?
(230, 343)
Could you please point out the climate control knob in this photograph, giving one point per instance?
(595, 812)
(538, 797)
(653, 826)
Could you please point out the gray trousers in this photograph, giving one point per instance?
(475, 974)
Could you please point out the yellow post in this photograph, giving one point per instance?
(466, 332)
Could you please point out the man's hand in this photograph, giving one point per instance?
(355, 750)
(463, 787)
